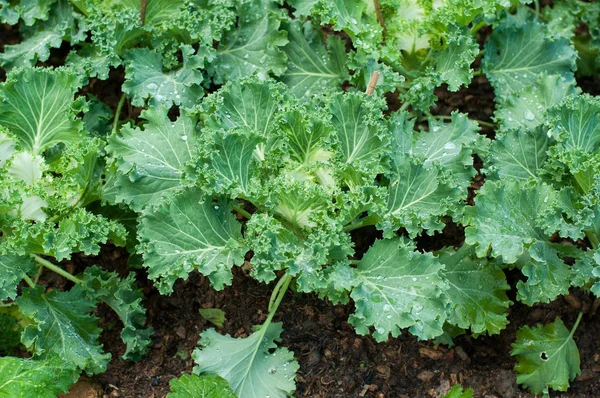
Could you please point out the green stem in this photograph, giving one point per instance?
(243, 212)
(476, 28)
(591, 235)
(283, 284)
(38, 275)
(576, 324)
(29, 281)
(477, 73)
(404, 106)
(537, 9)
(118, 113)
(487, 124)
(363, 222)
(56, 269)
(276, 290)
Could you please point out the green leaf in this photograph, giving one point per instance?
(506, 217)
(151, 161)
(12, 270)
(357, 123)
(145, 79)
(532, 52)
(213, 315)
(125, 298)
(253, 366)
(193, 386)
(477, 291)
(527, 107)
(38, 108)
(547, 357)
(253, 47)
(248, 103)
(232, 161)
(187, 233)
(395, 288)
(547, 276)
(518, 154)
(576, 123)
(418, 197)
(457, 392)
(453, 62)
(63, 327)
(312, 68)
(25, 378)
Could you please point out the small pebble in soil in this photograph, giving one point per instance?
(155, 381)
(426, 375)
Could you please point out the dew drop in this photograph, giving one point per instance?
(184, 137)
(529, 116)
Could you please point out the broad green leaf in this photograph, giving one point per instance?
(527, 108)
(253, 47)
(63, 327)
(306, 138)
(418, 197)
(26, 378)
(29, 10)
(576, 123)
(193, 386)
(12, 270)
(507, 218)
(40, 38)
(247, 103)
(532, 52)
(477, 291)
(547, 276)
(357, 123)
(145, 79)
(396, 288)
(188, 233)
(151, 161)
(312, 68)
(518, 154)
(453, 62)
(7, 147)
(547, 357)
(232, 160)
(37, 107)
(253, 366)
(125, 298)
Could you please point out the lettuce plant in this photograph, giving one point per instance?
(248, 152)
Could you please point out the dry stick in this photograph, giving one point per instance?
(380, 17)
(143, 6)
(373, 82)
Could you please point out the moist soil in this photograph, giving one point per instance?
(334, 360)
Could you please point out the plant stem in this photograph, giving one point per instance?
(29, 281)
(591, 235)
(476, 28)
(38, 275)
(487, 124)
(143, 6)
(243, 212)
(576, 324)
(537, 9)
(276, 290)
(56, 269)
(373, 82)
(118, 113)
(363, 222)
(380, 19)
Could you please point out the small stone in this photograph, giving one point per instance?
(586, 375)
(573, 301)
(426, 375)
(431, 353)
(384, 370)
(462, 354)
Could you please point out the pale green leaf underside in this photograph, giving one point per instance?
(37, 108)
(253, 366)
(397, 288)
(187, 233)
